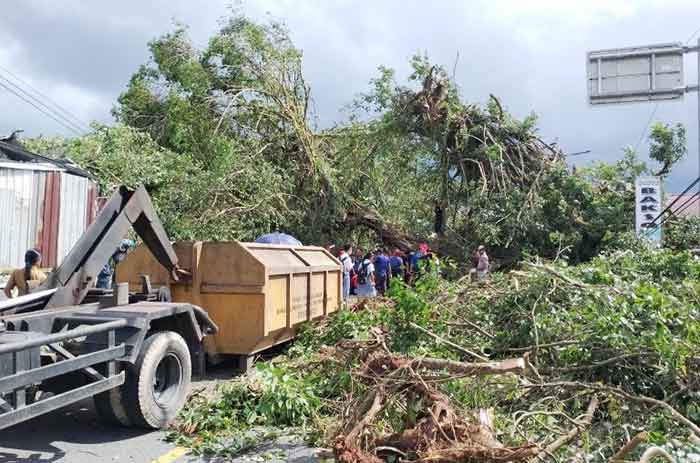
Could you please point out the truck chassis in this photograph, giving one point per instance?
(68, 341)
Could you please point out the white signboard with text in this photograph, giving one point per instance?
(648, 205)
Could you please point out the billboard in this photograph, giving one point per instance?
(647, 73)
(648, 205)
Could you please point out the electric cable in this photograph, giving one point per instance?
(66, 113)
(38, 108)
(670, 206)
(76, 127)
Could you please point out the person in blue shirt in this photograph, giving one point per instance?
(382, 268)
(396, 262)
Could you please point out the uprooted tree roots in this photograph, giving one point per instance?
(433, 431)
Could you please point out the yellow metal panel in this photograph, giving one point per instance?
(240, 321)
(300, 298)
(277, 257)
(141, 262)
(276, 299)
(317, 294)
(314, 257)
(333, 292)
(229, 263)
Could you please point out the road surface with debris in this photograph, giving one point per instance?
(75, 435)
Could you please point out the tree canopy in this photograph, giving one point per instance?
(223, 138)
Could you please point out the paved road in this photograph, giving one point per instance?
(74, 435)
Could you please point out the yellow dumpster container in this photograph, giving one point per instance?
(256, 293)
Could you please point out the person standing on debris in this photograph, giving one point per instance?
(346, 262)
(366, 278)
(382, 266)
(105, 279)
(475, 258)
(482, 268)
(28, 278)
(396, 262)
(417, 261)
(408, 269)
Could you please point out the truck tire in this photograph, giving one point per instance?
(111, 407)
(158, 383)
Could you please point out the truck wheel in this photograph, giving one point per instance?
(111, 407)
(158, 383)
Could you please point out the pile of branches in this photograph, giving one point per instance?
(486, 147)
(549, 362)
(609, 346)
(438, 432)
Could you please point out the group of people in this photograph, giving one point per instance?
(369, 274)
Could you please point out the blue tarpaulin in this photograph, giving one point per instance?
(278, 238)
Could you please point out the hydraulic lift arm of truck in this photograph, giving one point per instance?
(78, 271)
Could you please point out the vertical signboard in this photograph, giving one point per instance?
(648, 205)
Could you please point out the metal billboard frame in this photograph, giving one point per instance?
(652, 94)
(650, 90)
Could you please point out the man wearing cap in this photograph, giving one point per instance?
(27, 278)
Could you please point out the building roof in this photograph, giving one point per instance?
(687, 205)
(16, 152)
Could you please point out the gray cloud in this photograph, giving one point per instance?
(530, 54)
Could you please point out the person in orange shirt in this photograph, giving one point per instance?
(27, 278)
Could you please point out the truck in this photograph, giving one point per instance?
(133, 352)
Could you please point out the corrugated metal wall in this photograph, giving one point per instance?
(43, 208)
(21, 200)
(73, 213)
(48, 235)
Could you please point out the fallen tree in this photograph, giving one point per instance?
(543, 363)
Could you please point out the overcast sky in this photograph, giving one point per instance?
(531, 54)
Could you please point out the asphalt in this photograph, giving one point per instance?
(74, 435)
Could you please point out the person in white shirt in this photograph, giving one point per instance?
(346, 262)
(482, 267)
(366, 278)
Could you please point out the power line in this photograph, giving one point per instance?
(68, 115)
(682, 207)
(685, 204)
(76, 128)
(670, 206)
(692, 36)
(577, 153)
(38, 108)
(646, 127)
(689, 202)
(656, 105)
(42, 104)
(678, 211)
